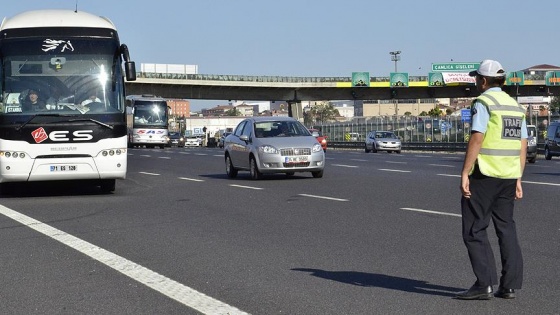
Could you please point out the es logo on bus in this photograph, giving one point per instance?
(40, 135)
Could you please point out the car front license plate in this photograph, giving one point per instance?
(296, 159)
(64, 168)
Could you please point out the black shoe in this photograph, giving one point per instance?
(505, 293)
(476, 293)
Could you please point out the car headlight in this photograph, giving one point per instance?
(181, 139)
(317, 147)
(268, 149)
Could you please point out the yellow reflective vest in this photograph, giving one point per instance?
(500, 153)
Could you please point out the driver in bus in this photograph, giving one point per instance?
(32, 102)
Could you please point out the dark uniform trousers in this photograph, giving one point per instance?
(492, 198)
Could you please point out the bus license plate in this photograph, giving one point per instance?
(296, 159)
(64, 168)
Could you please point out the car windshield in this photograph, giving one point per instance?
(270, 129)
(174, 135)
(385, 135)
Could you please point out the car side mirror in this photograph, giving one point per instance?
(244, 138)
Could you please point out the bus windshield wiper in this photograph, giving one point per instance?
(62, 115)
(18, 128)
(92, 120)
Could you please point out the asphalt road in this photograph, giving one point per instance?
(378, 234)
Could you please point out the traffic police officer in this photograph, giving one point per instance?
(490, 183)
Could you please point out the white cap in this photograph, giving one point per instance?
(489, 68)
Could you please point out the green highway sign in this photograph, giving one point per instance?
(455, 66)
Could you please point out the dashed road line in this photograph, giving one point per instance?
(191, 179)
(343, 165)
(432, 212)
(146, 173)
(247, 187)
(442, 165)
(323, 197)
(391, 170)
(162, 284)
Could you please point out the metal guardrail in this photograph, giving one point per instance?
(408, 146)
(418, 146)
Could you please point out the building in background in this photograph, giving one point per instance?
(179, 107)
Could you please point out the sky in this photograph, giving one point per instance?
(324, 37)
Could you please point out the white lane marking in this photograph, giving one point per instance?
(220, 155)
(449, 175)
(423, 156)
(166, 286)
(390, 170)
(200, 154)
(432, 212)
(248, 187)
(146, 173)
(359, 160)
(442, 165)
(540, 183)
(323, 197)
(165, 157)
(185, 152)
(342, 165)
(192, 179)
(396, 162)
(145, 155)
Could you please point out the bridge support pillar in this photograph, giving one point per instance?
(295, 110)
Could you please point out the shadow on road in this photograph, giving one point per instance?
(383, 281)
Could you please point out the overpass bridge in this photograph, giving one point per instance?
(297, 89)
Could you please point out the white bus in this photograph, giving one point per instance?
(150, 121)
(62, 110)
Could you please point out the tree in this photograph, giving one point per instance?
(407, 113)
(232, 112)
(435, 112)
(321, 112)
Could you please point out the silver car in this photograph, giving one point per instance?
(382, 141)
(272, 144)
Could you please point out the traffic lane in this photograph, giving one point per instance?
(42, 276)
(283, 229)
(282, 181)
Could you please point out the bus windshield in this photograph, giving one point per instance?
(150, 114)
(72, 76)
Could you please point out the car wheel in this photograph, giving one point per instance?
(230, 170)
(398, 151)
(389, 151)
(317, 174)
(366, 149)
(547, 154)
(373, 148)
(255, 173)
(533, 160)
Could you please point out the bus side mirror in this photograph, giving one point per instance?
(130, 70)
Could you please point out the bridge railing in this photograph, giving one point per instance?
(251, 78)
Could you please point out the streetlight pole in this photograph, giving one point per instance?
(395, 57)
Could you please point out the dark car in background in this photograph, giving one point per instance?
(552, 140)
(222, 138)
(176, 139)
